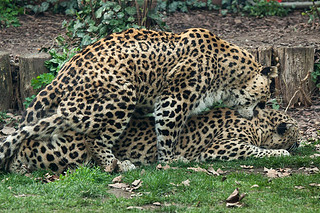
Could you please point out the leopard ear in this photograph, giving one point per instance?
(271, 72)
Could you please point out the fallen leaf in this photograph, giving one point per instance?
(48, 178)
(136, 184)
(119, 185)
(142, 172)
(197, 169)
(24, 195)
(315, 184)
(211, 171)
(272, 173)
(255, 186)
(117, 179)
(135, 207)
(231, 205)
(299, 187)
(160, 167)
(186, 182)
(246, 166)
(234, 199)
(156, 203)
(220, 171)
(8, 130)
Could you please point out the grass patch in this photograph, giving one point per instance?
(86, 189)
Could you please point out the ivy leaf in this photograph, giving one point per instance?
(99, 12)
(131, 11)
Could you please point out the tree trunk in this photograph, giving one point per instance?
(296, 65)
(5, 82)
(31, 66)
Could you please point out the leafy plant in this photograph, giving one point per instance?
(313, 13)
(315, 75)
(28, 101)
(3, 116)
(184, 6)
(274, 104)
(96, 19)
(9, 11)
(261, 8)
(56, 6)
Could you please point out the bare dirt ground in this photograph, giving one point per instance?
(292, 30)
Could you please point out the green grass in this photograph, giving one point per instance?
(86, 189)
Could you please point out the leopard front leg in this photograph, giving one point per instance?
(170, 118)
(234, 149)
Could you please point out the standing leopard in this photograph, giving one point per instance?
(174, 75)
(219, 134)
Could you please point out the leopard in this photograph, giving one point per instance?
(172, 75)
(217, 134)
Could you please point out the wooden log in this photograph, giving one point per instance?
(296, 63)
(5, 82)
(264, 56)
(30, 66)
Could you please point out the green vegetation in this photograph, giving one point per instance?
(9, 13)
(313, 13)
(262, 8)
(3, 116)
(179, 188)
(315, 75)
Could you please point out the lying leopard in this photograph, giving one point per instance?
(219, 134)
(174, 75)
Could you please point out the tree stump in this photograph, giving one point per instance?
(296, 64)
(5, 82)
(30, 67)
(263, 55)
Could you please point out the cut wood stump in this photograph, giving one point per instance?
(30, 66)
(5, 82)
(296, 65)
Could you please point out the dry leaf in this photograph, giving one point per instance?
(156, 203)
(255, 186)
(315, 184)
(136, 184)
(160, 167)
(198, 169)
(237, 204)
(49, 178)
(211, 171)
(142, 172)
(220, 171)
(237, 182)
(272, 173)
(315, 155)
(135, 207)
(119, 185)
(24, 195)
(246, 166)
(299, 187)
(234, 199)
(117, 179)
(186, 182)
